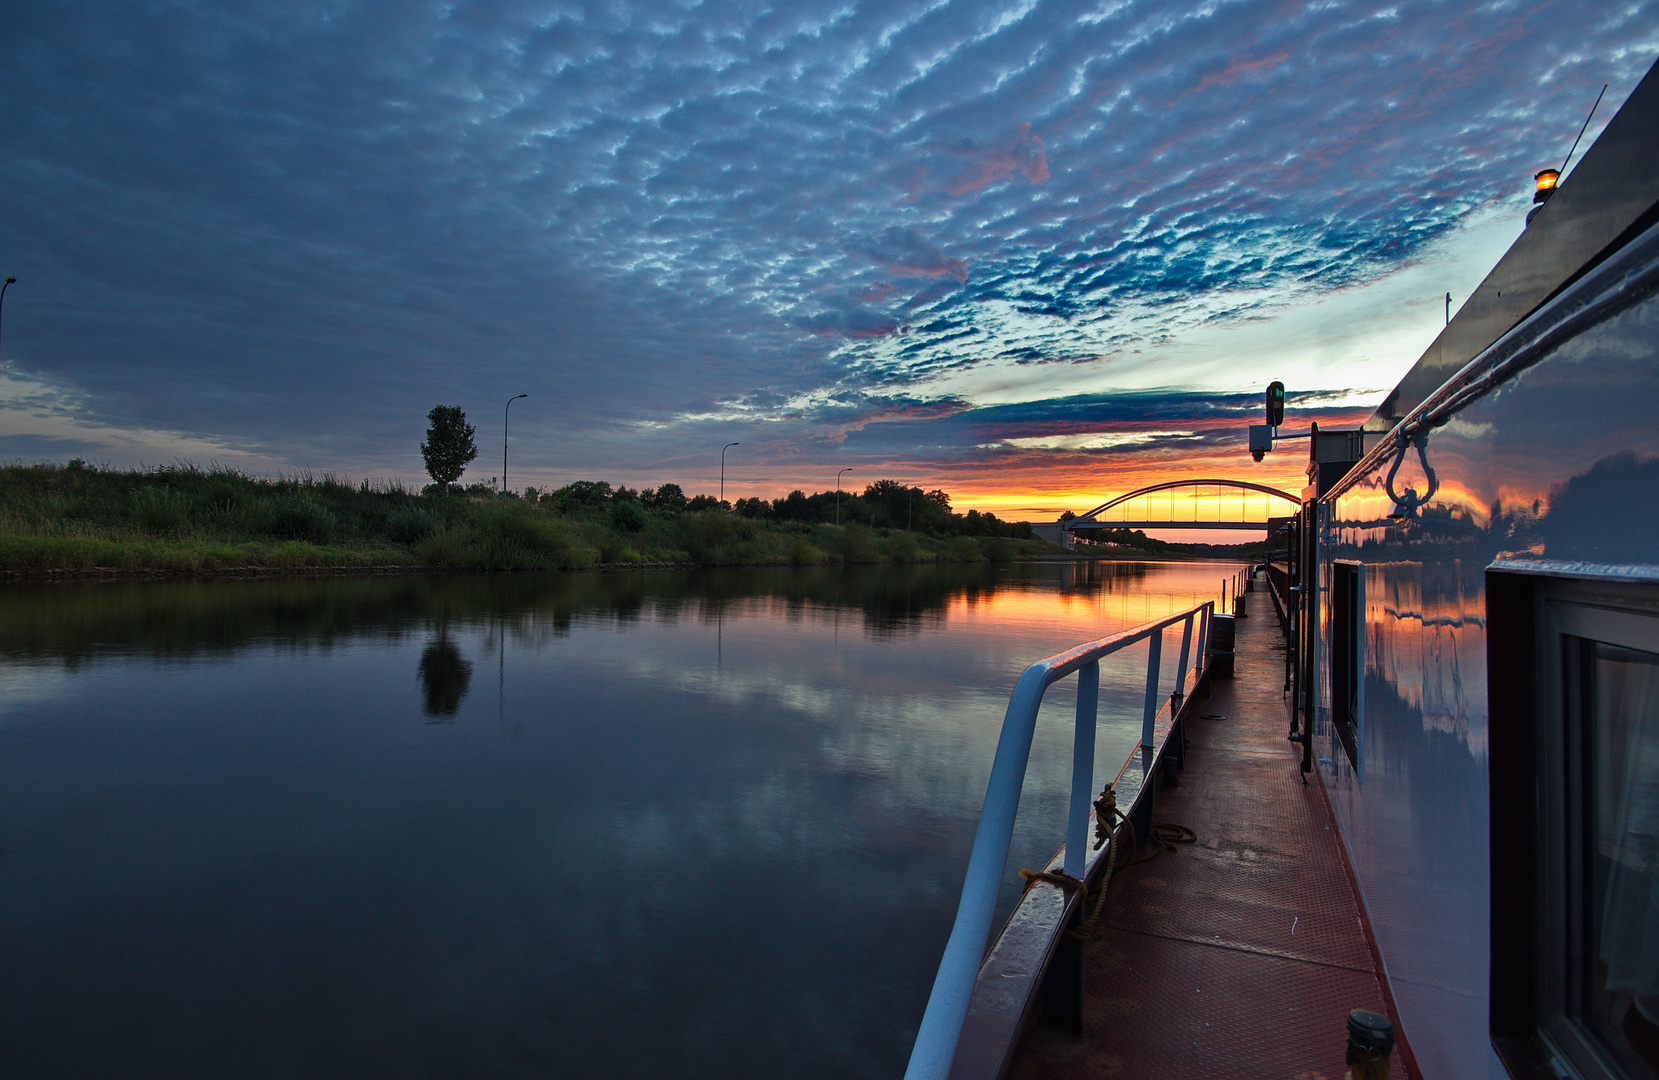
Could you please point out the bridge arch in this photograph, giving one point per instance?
(1091, 519)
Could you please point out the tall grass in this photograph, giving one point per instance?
(182, 518)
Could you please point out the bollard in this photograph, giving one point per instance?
(1222, 635)
(1370, 1041)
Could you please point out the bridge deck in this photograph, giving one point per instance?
(1240, 955)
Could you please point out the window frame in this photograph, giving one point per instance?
(1536, 761)
(1573, 615)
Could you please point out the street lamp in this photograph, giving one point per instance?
(723, 450)
(849, 468)
(9, 282)
(504, 413)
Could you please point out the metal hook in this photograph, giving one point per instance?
(1408, 502)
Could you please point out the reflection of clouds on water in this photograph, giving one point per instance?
(27, 684)
(444, 675)
(453, 863)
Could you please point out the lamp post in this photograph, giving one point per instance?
(504, 414)
(723, 450)
(849, 468)
(10, 281)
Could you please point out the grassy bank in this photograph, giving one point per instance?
(185, 520)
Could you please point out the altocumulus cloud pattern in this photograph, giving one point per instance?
(289, 228)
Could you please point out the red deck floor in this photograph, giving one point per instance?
(1241, 955)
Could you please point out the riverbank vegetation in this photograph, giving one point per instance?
(182, 519)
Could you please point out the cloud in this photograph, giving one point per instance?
(1089, 440)
(1021, 154)
(292, 229)
(906, 253)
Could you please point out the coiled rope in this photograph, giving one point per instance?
(1165, 836)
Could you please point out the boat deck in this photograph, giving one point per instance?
(1240, 955)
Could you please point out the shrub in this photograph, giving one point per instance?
(713, 536)
(858, 544)
(160, 509)
(802, 553)
(963, 549)
(446, 547)
(901, 547)
(409, 524)
(998, 550)
(299, 517)
(513, 539)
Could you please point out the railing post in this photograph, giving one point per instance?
(1154, 657)
(1082, 768)
(1201, 663)
(1186, 646)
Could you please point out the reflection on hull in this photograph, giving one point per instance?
(1438, 579)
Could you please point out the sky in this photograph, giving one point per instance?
(1034, 253)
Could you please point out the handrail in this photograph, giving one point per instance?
(947, 1006)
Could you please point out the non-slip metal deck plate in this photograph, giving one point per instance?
(1238, 956)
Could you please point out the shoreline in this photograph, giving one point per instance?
(68, 575)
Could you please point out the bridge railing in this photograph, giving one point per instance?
(947, 1007)
(1099, 515)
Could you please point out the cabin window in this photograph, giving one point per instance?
(1573, 683)
(1606, 695)
(1348, 659)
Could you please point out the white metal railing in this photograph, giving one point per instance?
(947, 1007)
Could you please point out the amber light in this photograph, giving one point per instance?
(1546, 184)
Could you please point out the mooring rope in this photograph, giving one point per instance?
(1166, 836)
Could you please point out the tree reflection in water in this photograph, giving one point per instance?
(444, 674)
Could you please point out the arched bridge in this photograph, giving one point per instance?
(1190, 504)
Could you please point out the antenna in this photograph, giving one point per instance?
(1586, 126)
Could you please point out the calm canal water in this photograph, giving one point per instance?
(652, 825)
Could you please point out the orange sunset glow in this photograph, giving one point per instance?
(1037, 484)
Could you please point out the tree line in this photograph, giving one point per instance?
(885, 504)
(450, 446)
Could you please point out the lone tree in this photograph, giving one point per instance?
(448, 448)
